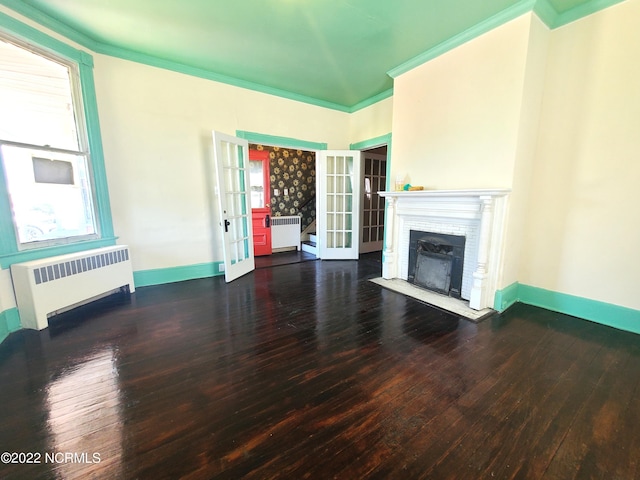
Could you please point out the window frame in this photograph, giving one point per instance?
(10, 249)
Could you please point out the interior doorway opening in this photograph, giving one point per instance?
(289, 194)
(290, 188)
(374, 179)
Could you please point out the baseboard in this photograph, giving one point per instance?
(506, 297)
(616, 316)
(159, 276)
(9, 322)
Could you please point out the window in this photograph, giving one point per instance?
(43, 148)
(53, 190)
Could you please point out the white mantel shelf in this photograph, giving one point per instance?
(478, 214)
(446, 193)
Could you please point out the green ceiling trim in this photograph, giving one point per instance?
(263, 139)
(582, 11)
(50, 22)
(543, 9)
(125, 54)
(371, 101)
(32, 35)
(545, 12)
(481, 28)
(210, 75)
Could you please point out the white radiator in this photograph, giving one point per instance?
(285, 232)
(44, 286)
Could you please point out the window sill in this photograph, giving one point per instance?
(9, 259)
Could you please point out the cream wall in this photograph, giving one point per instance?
(455, 118)
(584, 225)
(371, 122)
(554, 116)
(156, 129)
(469, 119)
(530, 110)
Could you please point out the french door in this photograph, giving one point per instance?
(338, 202)
(232, 171)
(373, 181)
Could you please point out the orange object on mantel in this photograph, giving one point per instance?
(412, 189)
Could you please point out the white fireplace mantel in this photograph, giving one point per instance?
(478, 214)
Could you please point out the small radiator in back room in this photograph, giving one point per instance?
(45, 286)
(285, 232)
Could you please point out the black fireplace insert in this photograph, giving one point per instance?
(436, 261)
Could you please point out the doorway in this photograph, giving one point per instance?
(374, 179)
(285, 194)
(260, 201)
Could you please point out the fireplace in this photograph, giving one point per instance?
(436, 262)
(476, 215)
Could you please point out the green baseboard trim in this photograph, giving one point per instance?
(506, 297)
(616, 316)
(9, 322)
(159, 276)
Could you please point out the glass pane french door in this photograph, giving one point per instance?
(374, 180)
(232, 171)
(338, 204)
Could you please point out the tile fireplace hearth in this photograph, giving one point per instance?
(477, 215)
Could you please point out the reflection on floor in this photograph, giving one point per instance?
(284, 258)
(312, 371)
(450, 304)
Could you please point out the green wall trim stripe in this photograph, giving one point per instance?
(159, 276)
(481, 28)
(605, 313)
(372, 143)
(264, 139)
(622, 318)
(9, 322)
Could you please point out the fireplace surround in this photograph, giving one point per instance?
(476, 215)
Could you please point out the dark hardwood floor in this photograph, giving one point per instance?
(284, 258)
(311, 371)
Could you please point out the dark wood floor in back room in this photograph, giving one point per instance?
(312, 371)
